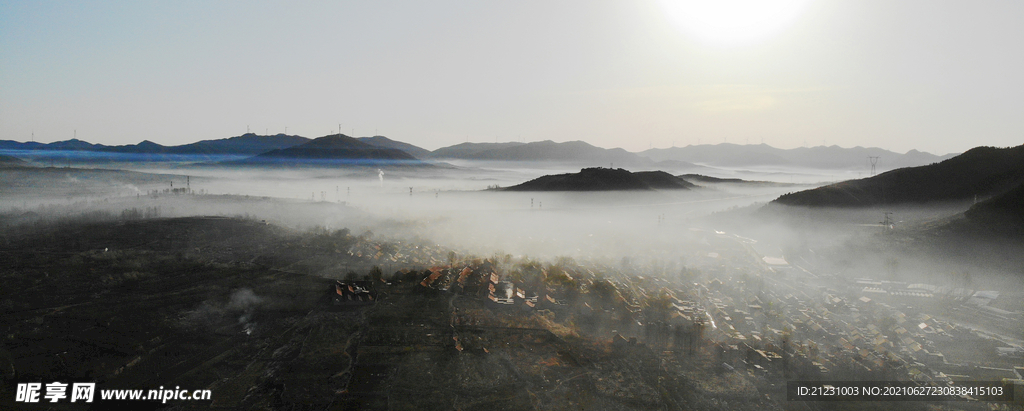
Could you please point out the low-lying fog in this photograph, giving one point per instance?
(451, 207)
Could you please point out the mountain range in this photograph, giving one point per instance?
(244, 144)
(820, 157)
(572, 152)
(469, 150)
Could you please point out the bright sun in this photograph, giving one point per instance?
(733, 22)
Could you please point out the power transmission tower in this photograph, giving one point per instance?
(874, 161)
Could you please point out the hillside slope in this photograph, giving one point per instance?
(384, 142)
(1004, 212)
(12, 162)
(981, 171)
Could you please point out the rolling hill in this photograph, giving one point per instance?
(9, 162)
(604, 179)
(73, 144)
(703, 179)
(337, 149)
(468, 151)
(384, 142)
(244, 144)
(979, 172)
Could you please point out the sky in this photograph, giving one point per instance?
(937, 76)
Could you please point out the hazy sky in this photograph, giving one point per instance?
(938, 76)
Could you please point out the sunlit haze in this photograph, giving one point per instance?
(734, 22)
(937, 76)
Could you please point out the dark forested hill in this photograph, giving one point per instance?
(604, 179)
(1004, 212)
(384, 142)
(981, 171)
(334, 149)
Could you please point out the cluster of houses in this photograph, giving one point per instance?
(352, 292)
(484, 281)
(774, 326)
(801, 331)
(398, 253)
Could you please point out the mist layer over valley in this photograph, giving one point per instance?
(437, 267)
(447, 206)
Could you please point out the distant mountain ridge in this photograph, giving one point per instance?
(248, 144)
(604, 179)
(820, 157)
(468, 151)
(337, 149)
(570, 152)
(981, 172)
(384, 142)
(244, 144)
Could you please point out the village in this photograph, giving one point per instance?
(364, 321)
(756, 322)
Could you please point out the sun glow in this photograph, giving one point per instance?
(733, 22)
